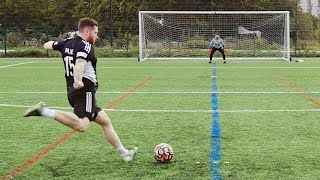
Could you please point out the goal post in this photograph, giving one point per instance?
(186, 34)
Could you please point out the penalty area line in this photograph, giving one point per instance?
(304, 94)
(172, 67)
(166, 92)
(181, 110)
(15, 64)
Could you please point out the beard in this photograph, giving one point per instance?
(91, 40)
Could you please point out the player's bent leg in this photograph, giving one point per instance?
(111, 136)
(67, 118)
(109, 133)
(73, 121)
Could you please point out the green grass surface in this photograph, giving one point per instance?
(268, 130)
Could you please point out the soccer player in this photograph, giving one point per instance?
(217, 44)
(81, 78)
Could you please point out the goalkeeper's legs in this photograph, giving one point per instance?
(223, 55)
(211, 54)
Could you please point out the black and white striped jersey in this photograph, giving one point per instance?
(72, 49)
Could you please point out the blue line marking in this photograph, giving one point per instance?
(215, 155)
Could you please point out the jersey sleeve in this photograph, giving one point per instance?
(58, 45)
(85, 51)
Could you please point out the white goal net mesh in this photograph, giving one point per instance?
(183, 35)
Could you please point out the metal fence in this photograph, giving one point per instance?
(27, 24)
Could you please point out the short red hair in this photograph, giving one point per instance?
(86, 22)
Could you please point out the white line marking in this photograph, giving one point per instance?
(269, 67)
(12, 105)
(27, 92)
(49, 67)
(24, 106)
(182, 111)
(143, 67)
(168, 92)
(210, 111)
(15, 64)
(269, 110)
(159, 110)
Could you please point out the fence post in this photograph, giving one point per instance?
(5, 26)
(111, 24)
(127, 29)
(47, 16)
(89, 8)
(296, 29)
(254, 39)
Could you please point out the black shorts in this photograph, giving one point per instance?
(83, 100)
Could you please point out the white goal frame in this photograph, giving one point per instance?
(283, 47)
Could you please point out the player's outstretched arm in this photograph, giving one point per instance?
(48, 45)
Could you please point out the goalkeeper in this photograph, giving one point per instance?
(217, 44)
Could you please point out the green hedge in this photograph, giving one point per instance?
(134, 52)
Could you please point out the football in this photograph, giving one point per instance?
(163, 153)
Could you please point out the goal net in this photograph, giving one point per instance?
(186, 34)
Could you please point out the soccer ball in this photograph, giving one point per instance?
(163, 153)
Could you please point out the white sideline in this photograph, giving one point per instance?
(15, 64)
(166, 92)
(181, 111)
(210, 111)
(204, 67)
